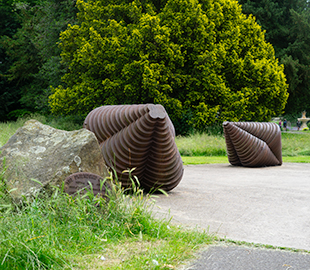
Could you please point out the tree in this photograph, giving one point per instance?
(8, 25)
(33, 53)
(287, 25)
(204, 61)
(296, 60)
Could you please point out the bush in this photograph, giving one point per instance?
(204, 61)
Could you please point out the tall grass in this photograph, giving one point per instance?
(201, 144)
(293, 144)
(7, 129)
(296, 144)
(198, 144)
(58, 231)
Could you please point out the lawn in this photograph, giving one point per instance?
(206, 149)
(223, 159)
(61, 232)
(57, 231)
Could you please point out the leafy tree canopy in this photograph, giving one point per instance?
(30, 52)
(205, 61)
(9, 23)
(287, 25)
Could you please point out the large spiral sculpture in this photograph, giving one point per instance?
(253, 144)
(140, 137)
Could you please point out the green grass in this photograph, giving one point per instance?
(296, 144)
(208, 147)
(223, 159)
(204, 160)
(201, 145)
(57, 231)
(296, 159)
(65, 123)
(61, 232)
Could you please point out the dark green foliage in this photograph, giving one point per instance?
(33, 61)
(287, 25)
(297, 61)
(181, 54)
(8, 92)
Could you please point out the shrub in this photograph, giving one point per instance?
(204, 61)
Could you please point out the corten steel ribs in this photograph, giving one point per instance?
(85, 181)
(141, 137)
(253, 144)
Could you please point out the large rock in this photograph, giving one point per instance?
(49, 155)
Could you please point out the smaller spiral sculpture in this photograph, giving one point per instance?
(140, 137)
(253, 144)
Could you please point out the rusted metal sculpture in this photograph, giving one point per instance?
(82, 182)
(253, 144)
(141, 137)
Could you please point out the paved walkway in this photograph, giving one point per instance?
(223, 257)
(269, 205)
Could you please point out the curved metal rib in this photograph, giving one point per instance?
(141, 137)
(253, 144)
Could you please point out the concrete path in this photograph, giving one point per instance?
(231, 257)
(269, 205)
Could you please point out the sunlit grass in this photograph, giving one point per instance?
(295, 144)
(204, 160)
(7, 129)
(165, 253)
(201, 145)
(223, 159)
(296, 159)
(61, 232)
(57, 231)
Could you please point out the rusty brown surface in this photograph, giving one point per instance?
(253, 144)
(80, 182)
(141, 137)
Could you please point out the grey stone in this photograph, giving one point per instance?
(48, 155)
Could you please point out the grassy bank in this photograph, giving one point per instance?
(61, 232)
(197, 145)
